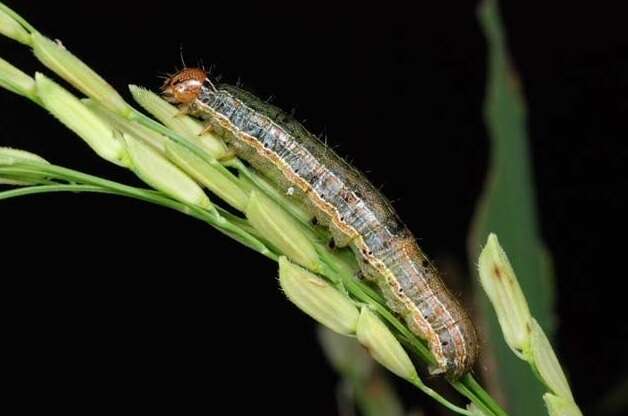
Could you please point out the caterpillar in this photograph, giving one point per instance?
(342, 199)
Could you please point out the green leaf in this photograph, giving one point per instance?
(507, 208)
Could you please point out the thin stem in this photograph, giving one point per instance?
(474, 388)
(40, 189)
(335, 271)
(440, 399)
(212, 217)
(98, 185)
(236, 228)
(466, 386)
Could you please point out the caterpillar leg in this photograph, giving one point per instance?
(227, 156)
(207, 129)
(184, 110)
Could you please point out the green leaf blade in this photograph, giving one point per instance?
(508, 208)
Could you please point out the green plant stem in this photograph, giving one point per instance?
(155, 197)
(213, 218)
(440, 399)
(469, 382)
(235, 163)
(366, 294)
(337, 271)
(467, 385)
(475, 394)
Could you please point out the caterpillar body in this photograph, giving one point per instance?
(341, 198)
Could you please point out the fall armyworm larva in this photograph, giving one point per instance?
(341, 198)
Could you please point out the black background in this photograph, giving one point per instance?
(109, 299)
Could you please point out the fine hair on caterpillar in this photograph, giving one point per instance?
(342, 199)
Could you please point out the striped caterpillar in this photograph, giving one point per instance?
(342, 199)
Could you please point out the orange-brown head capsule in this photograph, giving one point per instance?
(184, 86)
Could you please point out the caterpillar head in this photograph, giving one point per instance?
(185, 86)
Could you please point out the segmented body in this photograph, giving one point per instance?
(355, 212)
